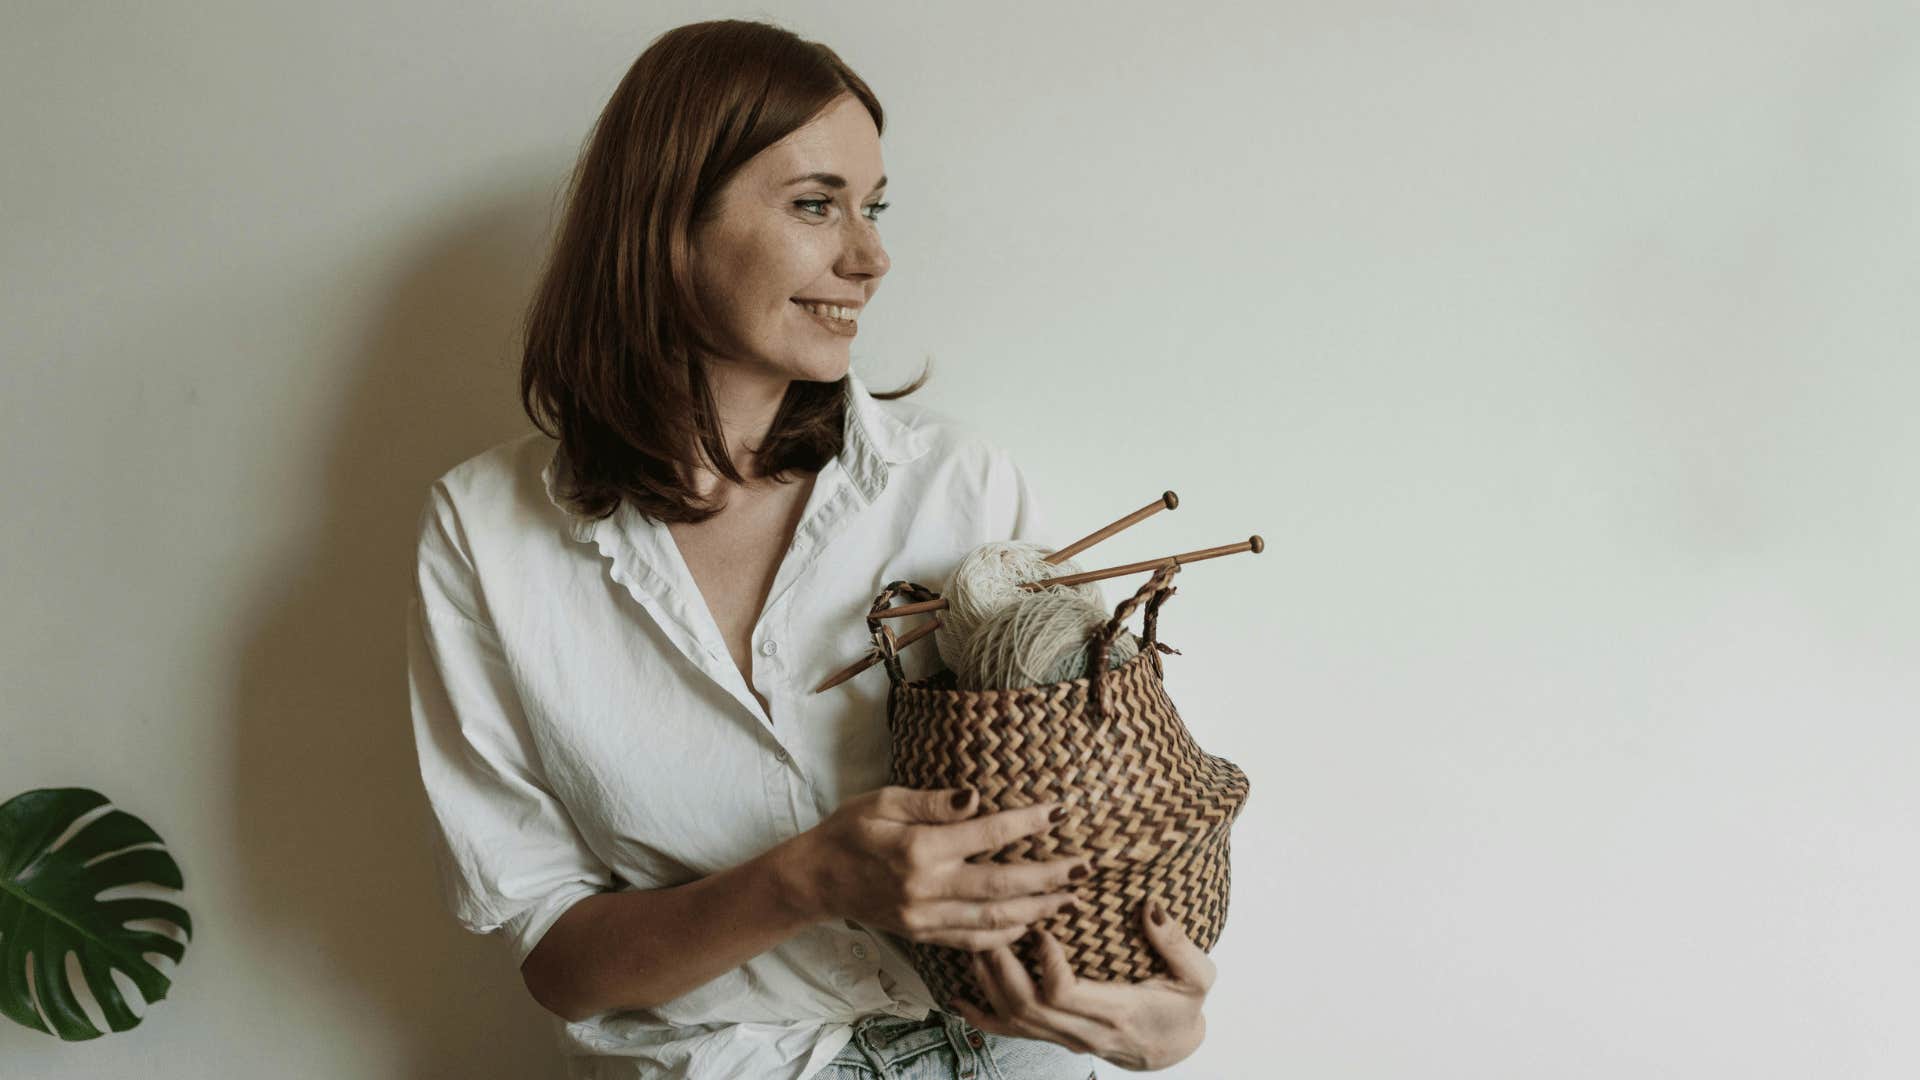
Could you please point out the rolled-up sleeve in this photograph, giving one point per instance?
(506, 850)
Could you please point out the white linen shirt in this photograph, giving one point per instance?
(581, 726)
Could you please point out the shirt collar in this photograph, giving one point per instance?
(874, 441)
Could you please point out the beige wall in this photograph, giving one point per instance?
(1563, 354)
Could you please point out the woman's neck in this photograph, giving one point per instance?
(747, 402)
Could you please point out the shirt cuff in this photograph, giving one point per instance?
(525, 930)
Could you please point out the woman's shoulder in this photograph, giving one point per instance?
(498, 469)
(937, 439)
(955, 468)
(503, 486)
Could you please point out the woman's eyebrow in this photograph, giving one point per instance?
(830, 179)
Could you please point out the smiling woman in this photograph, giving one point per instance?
(782, 253)
(710, 271)
(701, 867)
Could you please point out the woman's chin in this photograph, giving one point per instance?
(827, 369)
(810, 368)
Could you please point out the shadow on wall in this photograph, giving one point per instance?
(331, 819)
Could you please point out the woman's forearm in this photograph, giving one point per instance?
(634, 950)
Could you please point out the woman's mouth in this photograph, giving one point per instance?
(827, 315)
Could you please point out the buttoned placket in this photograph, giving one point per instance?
(784, 778)
(835, 501)
(647, 561)
(823, 518)
(831, 506)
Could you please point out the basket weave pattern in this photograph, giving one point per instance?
(1143, 800)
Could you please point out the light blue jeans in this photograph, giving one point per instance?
(946, 1047)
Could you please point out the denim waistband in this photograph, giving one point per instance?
(887, 1041)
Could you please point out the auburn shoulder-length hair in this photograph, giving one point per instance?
(613, 364)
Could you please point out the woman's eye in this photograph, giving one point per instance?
(874, 211)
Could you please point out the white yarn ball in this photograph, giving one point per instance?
(989, 579)
(1037, 639)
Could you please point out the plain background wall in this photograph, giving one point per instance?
(1562, 354)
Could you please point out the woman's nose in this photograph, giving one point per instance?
(864, 252)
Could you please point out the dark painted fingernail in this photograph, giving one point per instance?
(961, 799)
(1156, 913)
(1079, 871)
(1059, 814)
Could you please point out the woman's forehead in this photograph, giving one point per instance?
(841, 141)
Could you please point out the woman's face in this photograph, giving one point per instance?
(796, 223)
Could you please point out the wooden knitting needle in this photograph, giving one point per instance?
(1252, 543)
(1167, 501)
(871, 659)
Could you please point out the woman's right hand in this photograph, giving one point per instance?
(895, 859)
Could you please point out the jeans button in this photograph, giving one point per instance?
(974, 1040)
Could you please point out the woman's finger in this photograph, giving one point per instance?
(1008, 919)
(1191, 972)
(1189, 967)
(990, 988)
(1061, 988)
(1188, 962)
(955, 841)
(1043, 1021)
(973, 882)
(992, 967)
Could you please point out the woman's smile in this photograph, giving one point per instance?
(818, 313)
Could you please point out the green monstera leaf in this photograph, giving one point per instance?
(50, 906)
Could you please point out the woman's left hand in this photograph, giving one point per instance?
(1138, 1026)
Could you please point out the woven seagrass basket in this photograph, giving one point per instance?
(1148, 805)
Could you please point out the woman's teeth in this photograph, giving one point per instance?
(831, 311)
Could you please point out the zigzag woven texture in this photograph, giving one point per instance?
(1143, 800)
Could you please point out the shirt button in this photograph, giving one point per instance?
(859, 952)
(769, 647)
(782, 755)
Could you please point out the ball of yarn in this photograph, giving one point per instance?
(989, 579)
(1039, 638)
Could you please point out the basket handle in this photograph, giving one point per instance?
(885, 645)
(1154, 593)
